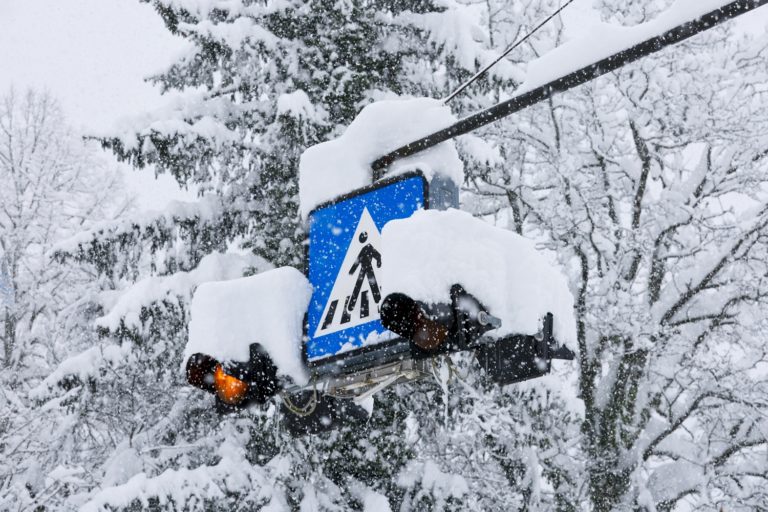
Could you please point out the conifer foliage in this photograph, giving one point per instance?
(648, 185)
(264, 80)
(260, 82)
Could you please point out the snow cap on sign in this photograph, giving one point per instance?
(267, 308)
(333, 168)
(433, 250)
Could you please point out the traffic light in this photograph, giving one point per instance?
(461, 324)
(235, 384)
(238, 385)
(436, 328)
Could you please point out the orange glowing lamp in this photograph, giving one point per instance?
(229, 389)
(235, 384)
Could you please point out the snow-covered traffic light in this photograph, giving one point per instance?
(391, 283)
(460, 324)
(457, 324)
(235, 384)
(404, 316)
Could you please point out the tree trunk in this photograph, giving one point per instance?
(9, 338)
(614, 432)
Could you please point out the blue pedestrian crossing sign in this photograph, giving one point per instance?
(345, 261)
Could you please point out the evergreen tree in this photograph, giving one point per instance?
(261, 82)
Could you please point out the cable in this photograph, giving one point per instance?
(306, 409)
(506, 52)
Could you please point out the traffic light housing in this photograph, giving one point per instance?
(460, 325)
(236, 385)
(521, 357)
(438, 328)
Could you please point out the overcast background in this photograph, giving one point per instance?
(94, 54)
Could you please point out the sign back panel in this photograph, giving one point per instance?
(344, 262)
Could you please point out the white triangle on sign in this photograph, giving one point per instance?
(357, 276)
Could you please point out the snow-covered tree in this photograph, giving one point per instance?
(52, 186)
(47, 194)
(647, 184)
(261, 81)
(650, 185)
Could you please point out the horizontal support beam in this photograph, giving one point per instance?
(569, 81)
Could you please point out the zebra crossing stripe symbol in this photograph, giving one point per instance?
(356, 293)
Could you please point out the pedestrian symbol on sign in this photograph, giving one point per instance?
(365, 262)
(355, 297)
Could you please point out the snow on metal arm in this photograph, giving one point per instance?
(530, 94)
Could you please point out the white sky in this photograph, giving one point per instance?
(93, 55)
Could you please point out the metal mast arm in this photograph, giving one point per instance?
(570, 80)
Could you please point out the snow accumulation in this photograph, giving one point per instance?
(372, 501)
(333, 168)
(195, 487)
(84, 365)
(213, 267)
(442, 485)
(267, 308)
(602, 40)
(206, 209)
(458, 33)
(669, 480)
(174, 118)
(298, 105)
(431, 251)
(233, 33)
